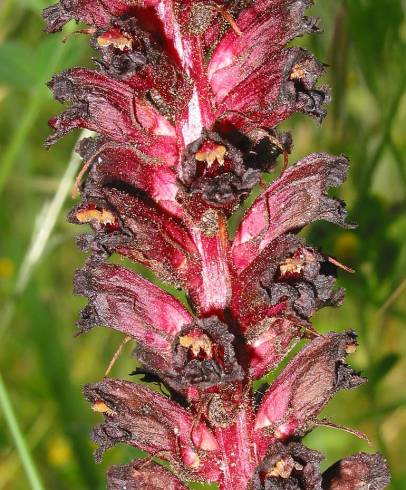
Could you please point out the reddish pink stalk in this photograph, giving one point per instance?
(186, 100)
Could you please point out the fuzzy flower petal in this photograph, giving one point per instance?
(307, 384)
(140, 474)
(297, 198)
(141, 417)
(289, 467)
(123, 300)
(360, 471)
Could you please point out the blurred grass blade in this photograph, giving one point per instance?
(399, 161)
(392, 298)
(43, 228)
(48, 343)
(10, 465)
(339, 56)
(47, 219)
(31, 113)
(17, 65)
(369, 168)
(382, 367)
(18, 438)
(375, 40)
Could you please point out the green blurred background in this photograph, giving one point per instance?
(43, 366)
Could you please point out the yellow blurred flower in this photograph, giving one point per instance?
(7, 268)
(346, 246)
(59, 451)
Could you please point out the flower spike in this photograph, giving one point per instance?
(186, 97)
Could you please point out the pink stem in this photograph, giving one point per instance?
(238, 452)
(214, 291)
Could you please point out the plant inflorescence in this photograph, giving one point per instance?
(186, 98)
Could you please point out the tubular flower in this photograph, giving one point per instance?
(186, 100)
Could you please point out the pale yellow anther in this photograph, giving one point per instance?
(197, 344)
(101, 407)
(103, 216)
(297, 73)
(351, 348)
(120, 42)
(291, 265)
(283, 468)
(218, 153)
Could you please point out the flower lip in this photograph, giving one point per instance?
(360, 470)
(222, 170)
(204, 354)
(124, 48)
(290, 466)
(305, 279)
(217, 155)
